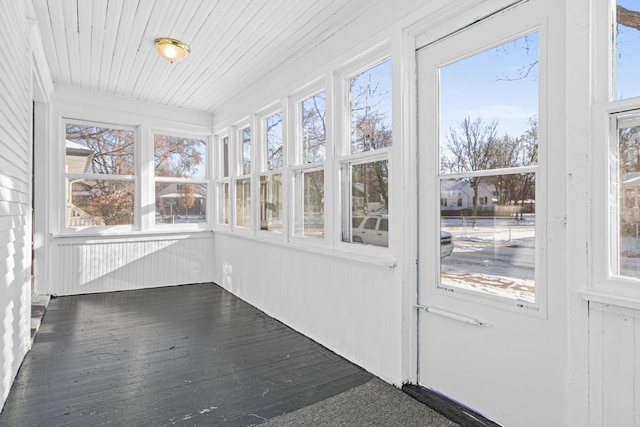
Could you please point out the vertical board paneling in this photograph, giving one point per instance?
(614, 366)
(354, 308)
(103, 266)
(15, 192)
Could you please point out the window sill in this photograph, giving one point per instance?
(369, 259)
(118, 237)
(609, 299)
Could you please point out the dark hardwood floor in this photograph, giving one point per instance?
(183, 355)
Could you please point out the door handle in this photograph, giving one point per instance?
(453, 316)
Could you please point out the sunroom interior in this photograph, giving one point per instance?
(443, 193)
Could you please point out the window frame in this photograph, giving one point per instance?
(261, 168)
(222, 180)
(206, 181)
(64, 175)
(343, 155)
(238, 174)
(604, 112)
(298, 167)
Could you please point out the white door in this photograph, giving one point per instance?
(485, 334)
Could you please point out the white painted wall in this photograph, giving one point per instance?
(614, 358)
(15, 192)
(78, 263)
(353, 306)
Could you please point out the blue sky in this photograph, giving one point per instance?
(492, 85)
(628, 56)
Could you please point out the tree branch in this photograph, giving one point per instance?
(629, 18)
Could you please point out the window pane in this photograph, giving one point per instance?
(489, 108)
(627, 181)
(179, 157)
(180, 203)
(225, 157)
(370, 107)
(243, 203)
(627, 49)
(309, 214)
(273, 128)
(493, 249)
(313, 129)
(271, 203)
(245, 138)
(93, 149)
(368, 203)
(223, 207)
(98, 202)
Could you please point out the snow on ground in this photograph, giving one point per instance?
(491, 277)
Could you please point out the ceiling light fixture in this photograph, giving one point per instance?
(171, 49)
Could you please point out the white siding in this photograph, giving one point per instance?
(103, 265)
(15, 198)
(614, 361)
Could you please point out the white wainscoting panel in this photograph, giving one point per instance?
(113, 265)
(351, 306)
(614, 365)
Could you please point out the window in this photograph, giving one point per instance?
(494, 224)
(243, 181)
(364, 166)
(100, 175)
(626, 49)
(616, 115)
(370, 108)
(180, 179)
(366, 197)
(308, 172)
(271, 149)
(312, 122)
(271, 202)
(222, 182)
(625, 197)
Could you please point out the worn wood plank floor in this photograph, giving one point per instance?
(184, 355)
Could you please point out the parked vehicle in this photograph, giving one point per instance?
(374, 230)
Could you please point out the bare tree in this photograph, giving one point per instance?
(474, 146)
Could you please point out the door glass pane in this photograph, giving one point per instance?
(488, 106)
(271, 203)
(627, 49)
(491, 250)
(488, 120)
(370, 106)
(626, 240)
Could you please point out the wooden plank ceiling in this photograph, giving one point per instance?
(106, 46)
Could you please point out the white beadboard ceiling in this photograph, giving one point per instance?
(106, 46)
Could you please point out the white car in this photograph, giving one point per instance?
(374, 230)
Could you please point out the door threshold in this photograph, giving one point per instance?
(450, 409)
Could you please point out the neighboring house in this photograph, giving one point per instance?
(630, 198)
(458, 195)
